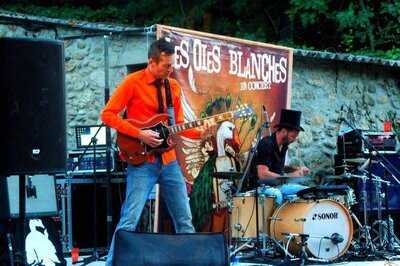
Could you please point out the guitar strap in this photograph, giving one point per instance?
(158, 85)
(170, 107)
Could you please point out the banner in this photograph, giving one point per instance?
(222, 77)
(218, 74)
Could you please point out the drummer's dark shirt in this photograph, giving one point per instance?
(268, 154)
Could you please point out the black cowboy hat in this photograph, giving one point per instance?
(290, 119)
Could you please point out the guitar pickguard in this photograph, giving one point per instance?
(162, 130)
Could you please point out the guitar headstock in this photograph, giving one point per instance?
(243, 110)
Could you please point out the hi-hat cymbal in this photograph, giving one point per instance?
(355, 160)
(341, 166)
(228, 175)
(358, 160)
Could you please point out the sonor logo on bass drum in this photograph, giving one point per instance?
(325, 216)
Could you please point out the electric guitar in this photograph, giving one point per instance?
(135, 151)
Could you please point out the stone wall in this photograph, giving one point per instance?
(326, 90)
(320, 88)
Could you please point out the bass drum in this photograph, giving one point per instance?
(327, 222)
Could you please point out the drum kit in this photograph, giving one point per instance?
(317, 225)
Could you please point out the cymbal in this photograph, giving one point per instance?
(336, 177)
(341, 166)
(358, 160)
(285, 179)
(228, 175)
(355, 160)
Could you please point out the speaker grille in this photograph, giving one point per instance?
(32, 83)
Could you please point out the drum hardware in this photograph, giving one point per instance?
(379, 197)
(379, 227)
(228, 175)
(373, 153)
(364, 230)
(303, 255)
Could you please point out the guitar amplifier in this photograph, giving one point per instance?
(381, 141)
(353, 146)
(85, 164)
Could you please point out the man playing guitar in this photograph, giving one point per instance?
(142, 95)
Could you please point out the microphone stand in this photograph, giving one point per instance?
(252, 153)
(93, 142)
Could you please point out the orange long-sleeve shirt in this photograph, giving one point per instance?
(138, 95)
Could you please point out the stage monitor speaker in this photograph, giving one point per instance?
(166, 249)
(32, 81)
(40, 196)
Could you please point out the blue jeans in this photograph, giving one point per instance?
(283, 192)
(140, 181)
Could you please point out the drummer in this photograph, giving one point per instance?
(271, 155)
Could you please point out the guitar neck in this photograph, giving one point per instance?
(200, 122)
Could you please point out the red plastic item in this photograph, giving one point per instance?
(74, 255)
(387, 126)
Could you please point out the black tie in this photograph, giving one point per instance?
(158, 85)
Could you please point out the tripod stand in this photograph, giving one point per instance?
(364, 230)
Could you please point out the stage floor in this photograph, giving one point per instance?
(346, 263)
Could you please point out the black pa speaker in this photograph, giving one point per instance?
(167, 249)
(32, 101)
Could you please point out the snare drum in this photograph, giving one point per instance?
(348, 200)
(243, 217)
(327, 222)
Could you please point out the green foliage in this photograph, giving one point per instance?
(368, 27)
(365, 27)
(310, 11)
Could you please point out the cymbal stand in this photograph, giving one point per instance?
(379, 196)
(392, 244)
(364, 230)
(384, 232)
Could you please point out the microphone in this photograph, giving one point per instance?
(30, 189)
(340, 117)
(266, 117)
(336, 238)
